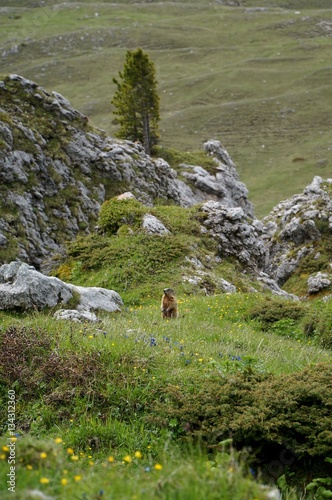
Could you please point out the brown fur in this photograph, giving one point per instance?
(169, 305)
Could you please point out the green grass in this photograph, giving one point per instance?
(103, 383)
(257, 80)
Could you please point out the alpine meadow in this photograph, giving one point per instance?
(166, 300)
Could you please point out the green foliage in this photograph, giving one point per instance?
(318, 323)
(259, 411)
(109, 389)
(272, 310)
(136, 100)
(128, 262)
(321, 487)
(115, 213)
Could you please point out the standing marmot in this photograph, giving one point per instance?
(169, 305)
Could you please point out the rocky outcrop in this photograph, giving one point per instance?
(23, 287)
(56, 171)
(237, 234)
(297, 229)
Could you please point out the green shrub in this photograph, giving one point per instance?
(264, 413)
(115, 213)
(272, 310)
(318, 323)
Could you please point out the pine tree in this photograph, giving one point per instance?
(136, 100)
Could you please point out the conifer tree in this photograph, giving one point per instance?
(136, 100)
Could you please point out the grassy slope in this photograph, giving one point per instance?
(110, 389)
(258, 80)
(105, 414)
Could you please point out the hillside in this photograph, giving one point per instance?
(251, 75)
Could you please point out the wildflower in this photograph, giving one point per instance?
(77, 478)
(5, 448)
(44, 480)
(58, 440)
(43, 455)
(29, 467)
(127, 459)
(13, 439)
(70, 451)
(74, 458)
(158, 466)
(110, 459)
(64, 481)
(138, 454)
(90, 336)
(2, 456)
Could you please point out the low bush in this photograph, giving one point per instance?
(271, 310)
(266, 414)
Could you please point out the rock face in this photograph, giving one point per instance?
(237, 234)
(297, 229)
(22, 287)
(56, 171)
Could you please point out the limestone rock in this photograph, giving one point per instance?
(318, 282)
(76, 316)
(296, 229)
(235, 232)
(96, 298)
(152, 225)
(23, 287)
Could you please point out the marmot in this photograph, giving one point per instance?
(169, 305)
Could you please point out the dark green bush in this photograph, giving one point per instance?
(264, 413)
(271, 310)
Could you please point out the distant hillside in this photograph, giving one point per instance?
(252, 74)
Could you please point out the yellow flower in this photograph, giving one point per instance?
(74, 458)
(44, 480)
(70, 451)
(13, 439)
(138, 454)
(111, 459)
(58, 440)
(127, 459)
(77, 478)
(91, 462)
(5, 448)
(158, 466)
(90, 336)
(2, 456)
(29, 467)
(64, 481)
(43, 454)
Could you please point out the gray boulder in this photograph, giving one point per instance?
(152, 225)
(76, 316)
(95, 298)
(318, 281)
(22, 287)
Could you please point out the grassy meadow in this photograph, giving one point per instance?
(92, 401)
(227, 400)
(254, 76)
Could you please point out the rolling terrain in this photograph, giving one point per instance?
(255, 76)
